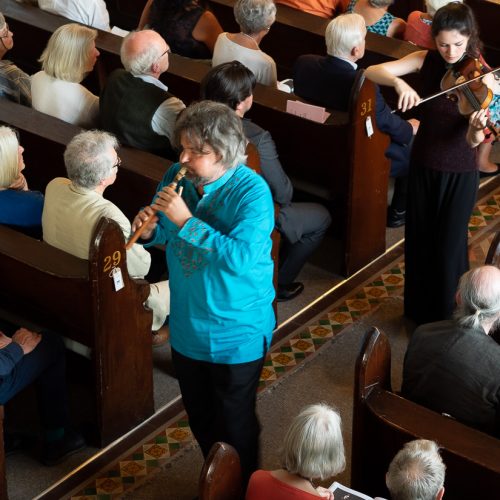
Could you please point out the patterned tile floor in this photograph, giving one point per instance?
(154, 455)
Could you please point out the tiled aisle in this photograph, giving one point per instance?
(150, 457)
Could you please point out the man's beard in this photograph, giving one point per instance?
(196, 180)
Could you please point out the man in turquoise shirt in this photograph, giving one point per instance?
(218, 223)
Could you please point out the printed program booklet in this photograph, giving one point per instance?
(342, 492)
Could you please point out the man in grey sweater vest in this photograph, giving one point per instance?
(135, 105)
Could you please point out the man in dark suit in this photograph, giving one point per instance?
(327, 81)
(453, 366)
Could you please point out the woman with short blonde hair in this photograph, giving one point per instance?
(70, 54)
(18, 205)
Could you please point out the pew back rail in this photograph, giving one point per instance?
(77, 298)
(383, 422)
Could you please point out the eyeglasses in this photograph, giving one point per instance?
(118, 162)
(6, 32)
(168, 51)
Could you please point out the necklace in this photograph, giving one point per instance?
(251, 38)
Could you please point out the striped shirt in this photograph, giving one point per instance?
(15, 84)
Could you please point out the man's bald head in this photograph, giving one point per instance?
(144, 53)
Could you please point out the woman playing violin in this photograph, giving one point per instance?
(443, 177)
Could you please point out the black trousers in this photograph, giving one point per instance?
(436, 253)
(220, 403)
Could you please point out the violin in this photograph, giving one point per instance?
(463, 81)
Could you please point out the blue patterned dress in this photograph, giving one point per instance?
(381, 26)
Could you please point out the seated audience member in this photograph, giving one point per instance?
(15, 84)
(418, 24)
(218, 236)
(328, 80)
(28, 357)
(453, 366)
(18, 205)
(302, 225)
(255, 18)
(74, 206)
(312, 450)
(90, 12)
(188, 27)
(148, 126)
(322, 8)
(56, 90)
(376, 17)
(417, 471)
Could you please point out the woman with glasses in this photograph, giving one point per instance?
(218, 223)
(56, 90)
(187, 26)
(254, 18)
(19, 206)
(15, 84)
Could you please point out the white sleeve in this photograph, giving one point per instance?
(100, 16)
(163, 121)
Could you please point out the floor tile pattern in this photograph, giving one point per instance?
(283, 358)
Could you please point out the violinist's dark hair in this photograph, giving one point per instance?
(458, 16)
(229, 83)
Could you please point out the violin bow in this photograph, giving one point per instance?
(437, 94)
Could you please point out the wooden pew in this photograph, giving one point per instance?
(384, 421)
(76, 298)
(352, 183)
(220, 477)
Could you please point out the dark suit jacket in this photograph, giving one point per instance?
(327, 81)
(456, 370)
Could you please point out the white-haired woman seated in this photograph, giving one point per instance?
(377, 19)
(313, 449)
(254, 18)
(18, 205)
(56, 90)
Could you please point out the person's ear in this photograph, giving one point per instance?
(440, 494)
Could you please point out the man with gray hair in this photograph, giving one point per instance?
(453, 366)
(74, 206)
(328, 81)
(134, 104)
(15, 84)
(416, 472)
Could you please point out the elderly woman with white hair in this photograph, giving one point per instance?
(378, 20)
(18, 205)
(217, 222)
(56, 90)
(255, 18)
(418, 24)
(313, 449)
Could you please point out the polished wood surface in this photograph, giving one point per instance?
(76, 298)
(384, 421)
(220, 477)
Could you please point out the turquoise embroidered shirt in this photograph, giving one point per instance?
(220, 267)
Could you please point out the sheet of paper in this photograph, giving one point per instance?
(309, 111)
(118, 31)
(342, 492)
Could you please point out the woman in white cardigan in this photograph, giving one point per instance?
(56, 90)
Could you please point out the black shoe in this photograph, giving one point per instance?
(289, 292)
(482, 175)
(55, 452)
(395, 218)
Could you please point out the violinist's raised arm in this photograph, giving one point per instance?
(443, 170)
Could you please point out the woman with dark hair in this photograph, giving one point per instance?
(443, 176)
(187, 26)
